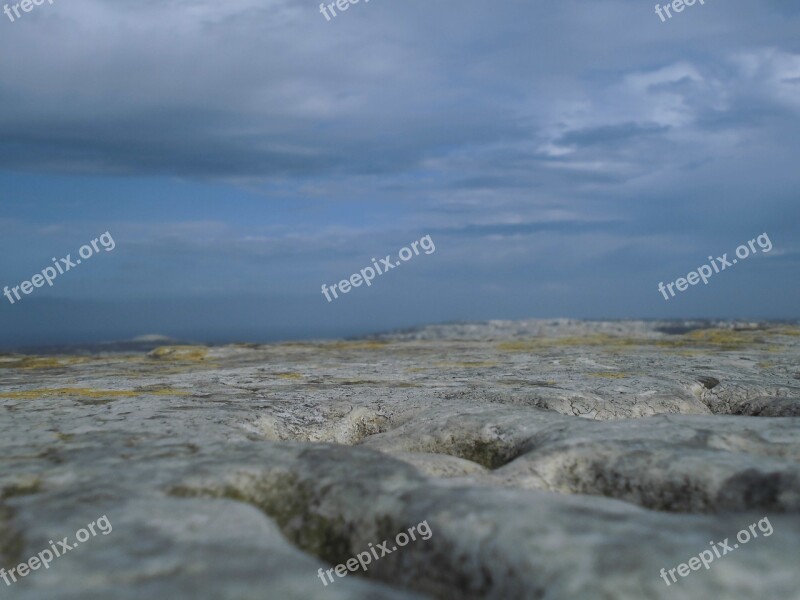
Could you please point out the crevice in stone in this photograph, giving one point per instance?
(297, 507)
(11, 540)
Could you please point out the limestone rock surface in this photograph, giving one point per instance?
(551, 460)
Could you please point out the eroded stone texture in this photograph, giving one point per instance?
(551, 459)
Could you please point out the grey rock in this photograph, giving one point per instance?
(551, 459)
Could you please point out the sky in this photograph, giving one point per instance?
(565, 157)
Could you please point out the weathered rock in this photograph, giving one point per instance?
(551, 459)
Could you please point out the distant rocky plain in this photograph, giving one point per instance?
(551, 460)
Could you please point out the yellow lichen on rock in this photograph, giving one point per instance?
(787, 330)
(289, 375)
(358, 345)
(40, 362)
(179, 353)
(725, 339)
(542, 343)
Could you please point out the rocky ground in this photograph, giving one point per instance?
(551, 460)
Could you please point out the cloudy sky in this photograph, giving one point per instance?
(565, 157)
